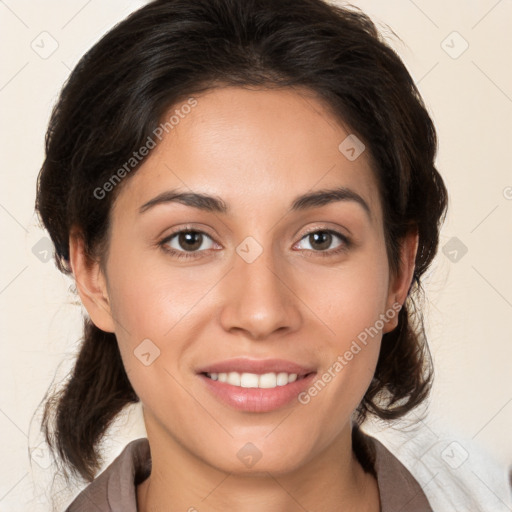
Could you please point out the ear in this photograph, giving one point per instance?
(400, 283)
(91, 284)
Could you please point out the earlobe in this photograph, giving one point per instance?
(399, 284)
(90, 283)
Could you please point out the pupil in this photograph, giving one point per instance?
(186, 240)
(322, 238)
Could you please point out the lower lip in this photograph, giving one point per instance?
(257, 399)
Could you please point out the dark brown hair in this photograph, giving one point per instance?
(171, 49)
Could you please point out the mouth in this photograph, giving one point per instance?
(256, 385)
(269, 380)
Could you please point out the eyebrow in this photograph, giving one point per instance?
(216, 204)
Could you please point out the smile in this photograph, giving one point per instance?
(253, 380)
(256, 393)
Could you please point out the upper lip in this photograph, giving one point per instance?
(258, 366)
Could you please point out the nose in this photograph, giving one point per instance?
(258, 299)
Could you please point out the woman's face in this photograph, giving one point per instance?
(265, 276)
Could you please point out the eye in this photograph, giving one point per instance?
(322, 239)
(187, 241)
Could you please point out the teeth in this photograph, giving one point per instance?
(253, 380)
(234, 379)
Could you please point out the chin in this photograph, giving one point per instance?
(255, 459)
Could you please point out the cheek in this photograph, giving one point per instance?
(150, 298)
(157, 309)
(351, 296)
(350, 302)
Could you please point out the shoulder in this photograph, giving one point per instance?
(454, 472)
(398, 489)
(115, 487)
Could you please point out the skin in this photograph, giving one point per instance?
(257, 150)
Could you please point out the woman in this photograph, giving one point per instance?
(245, 194)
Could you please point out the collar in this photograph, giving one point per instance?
(115, 488)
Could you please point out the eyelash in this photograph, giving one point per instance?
(346, 243)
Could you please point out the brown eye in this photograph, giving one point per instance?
(188, 241)
(320, 240)
(324, 241)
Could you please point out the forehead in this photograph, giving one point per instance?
(253, 147)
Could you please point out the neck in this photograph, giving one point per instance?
(331, 481)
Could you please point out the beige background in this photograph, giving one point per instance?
(466, 436)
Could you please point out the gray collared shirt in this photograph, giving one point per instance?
(115, 488)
